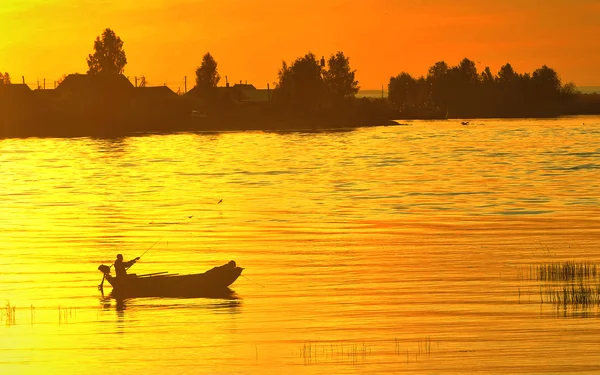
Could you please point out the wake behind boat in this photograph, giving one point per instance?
(215, 281)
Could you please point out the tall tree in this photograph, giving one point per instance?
(207, 76)
(285, 85)
(486, 77)
(402, 91)
(109, 56)
(301, 84)
(463, 80)
(5, 78)
(506, 74)
(467, 72)
(437, 77)
(339, 78)
(546, 81)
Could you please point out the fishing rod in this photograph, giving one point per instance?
(152, 246)
(138, 258)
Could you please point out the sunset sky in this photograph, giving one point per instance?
(165, 39)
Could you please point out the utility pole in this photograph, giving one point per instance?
(135, 81)
(44, 83)
(184, 84)
(23, 77)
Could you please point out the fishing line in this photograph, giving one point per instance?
(252, 280)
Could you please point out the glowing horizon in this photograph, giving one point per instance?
(165, 40)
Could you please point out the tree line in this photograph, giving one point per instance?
(310, 85)
(462, 91)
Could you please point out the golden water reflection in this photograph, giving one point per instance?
(381, 250)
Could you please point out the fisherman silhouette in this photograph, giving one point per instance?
(121, 267)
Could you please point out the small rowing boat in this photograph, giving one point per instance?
(163, 284)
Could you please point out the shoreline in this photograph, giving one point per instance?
(206, 125)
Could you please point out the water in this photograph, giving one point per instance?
(380, 250)
(589, 89)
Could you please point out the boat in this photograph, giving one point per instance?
(215, 281)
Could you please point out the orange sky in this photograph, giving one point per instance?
(165, 39)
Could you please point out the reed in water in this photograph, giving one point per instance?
(565, 271)
(568, 283)
(10, 314)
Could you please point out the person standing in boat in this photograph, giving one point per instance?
(121, 267)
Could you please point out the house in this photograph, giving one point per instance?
(14, 90)
(44, 94)
(156, 93)
(16, 108)
(241, 93)
(250, 94)
(157, 102)
(96, 86)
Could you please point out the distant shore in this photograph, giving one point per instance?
(110, 106)
(205, 124)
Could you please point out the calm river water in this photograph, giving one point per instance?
(406, 249)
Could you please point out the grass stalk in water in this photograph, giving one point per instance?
(10, 313)
(566, 271)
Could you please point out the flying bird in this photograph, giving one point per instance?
(220, 201)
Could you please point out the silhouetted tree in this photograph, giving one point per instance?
(339, 78)
(423, 94)
(569, 89)
(487, 93)
(569, 94)
(460, 91)
(5, 78)
(486, 76)
(109, 56)
(301, 84)
(507, 75)
(509, 84)
(207, 76)
(546, 81)
(284, 87)
(463, 79)
(437, 77)
(402, 90)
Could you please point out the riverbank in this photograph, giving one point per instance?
(97, 111)
(105, 127)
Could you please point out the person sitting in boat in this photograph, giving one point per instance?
(121, 267)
